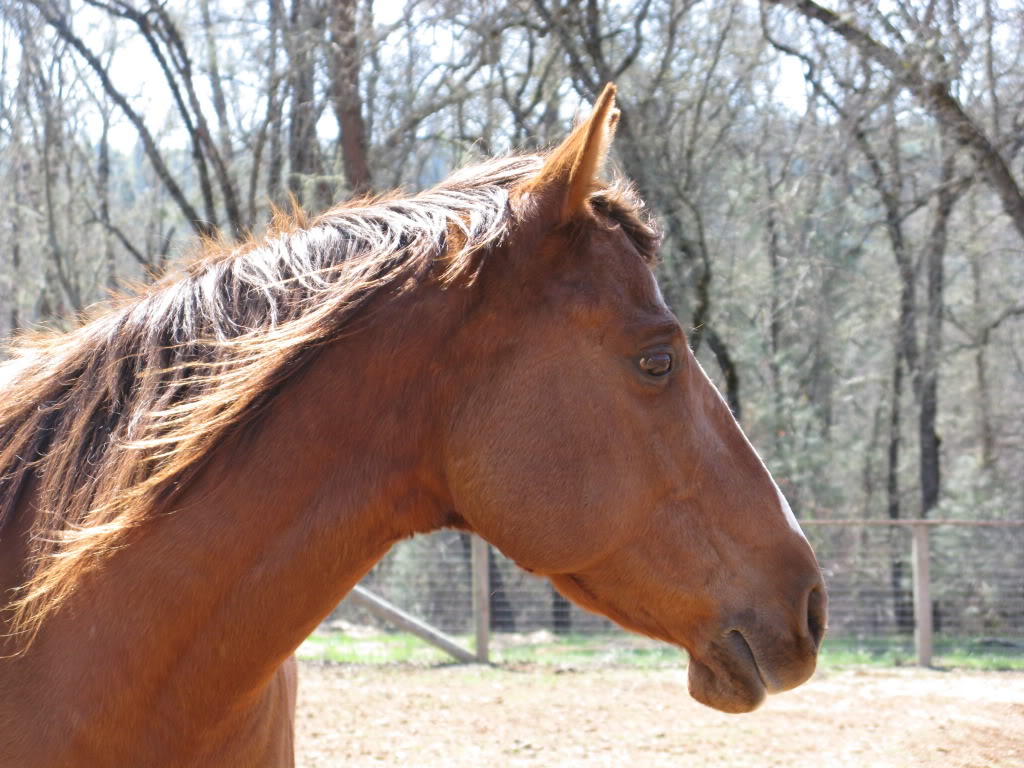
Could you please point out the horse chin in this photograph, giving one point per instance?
(726, 677)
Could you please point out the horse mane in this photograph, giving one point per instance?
(116, 415)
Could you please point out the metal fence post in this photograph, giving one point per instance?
(481, 599)
(922, 594)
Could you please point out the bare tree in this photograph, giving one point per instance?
(923, 64)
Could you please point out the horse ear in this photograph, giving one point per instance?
(570, 170)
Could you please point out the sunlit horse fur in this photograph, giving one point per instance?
(193, 478)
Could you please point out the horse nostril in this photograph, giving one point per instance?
(817, 615)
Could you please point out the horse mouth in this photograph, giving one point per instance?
(727, 677)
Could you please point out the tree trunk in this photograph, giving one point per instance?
(348, 105)
(220, 105)
(103, 192)
(15, 219)
(732, 377)
(902, 598)
(303, 33)
(275, 164)
(929, 405)
(773, 250)
(983, 403)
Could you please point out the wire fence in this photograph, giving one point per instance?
(974, 583)
(974, 587)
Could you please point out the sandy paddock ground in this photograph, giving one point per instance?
(539, 716)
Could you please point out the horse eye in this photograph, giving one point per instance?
(656, 363)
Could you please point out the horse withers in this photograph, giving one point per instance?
(192, 479)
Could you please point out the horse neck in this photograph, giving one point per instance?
(214, 592)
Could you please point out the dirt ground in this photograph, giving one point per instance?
(539, 716)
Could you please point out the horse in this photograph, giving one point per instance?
(194, 476)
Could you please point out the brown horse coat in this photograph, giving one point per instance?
(191, 480)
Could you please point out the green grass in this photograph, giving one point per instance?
(592, 650)
(949, 652)
(385, 648)
(972, 655)
(629, 651)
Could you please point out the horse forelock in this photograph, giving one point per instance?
(109, 418)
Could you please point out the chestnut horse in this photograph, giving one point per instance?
(192, 480)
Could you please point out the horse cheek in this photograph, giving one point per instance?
(529, 474)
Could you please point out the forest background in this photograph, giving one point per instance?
(840, 187)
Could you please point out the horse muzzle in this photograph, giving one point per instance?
(757, 655)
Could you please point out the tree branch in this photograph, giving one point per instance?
(934, 96)
(60, 26)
